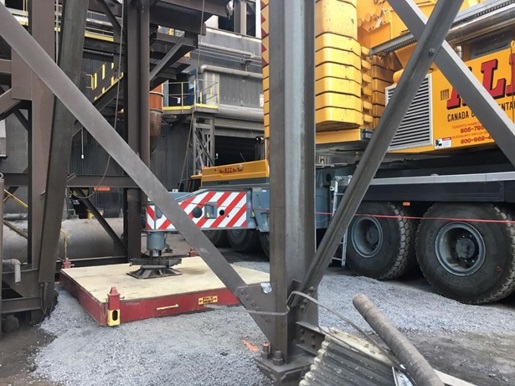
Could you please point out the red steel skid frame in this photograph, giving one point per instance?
(146, 308)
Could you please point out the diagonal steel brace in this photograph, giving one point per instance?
(484, 106)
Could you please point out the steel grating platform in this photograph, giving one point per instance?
(196, 287)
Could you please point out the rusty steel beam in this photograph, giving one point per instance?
(70, 60)
(136, 110)
(41, 25)
(292, 159)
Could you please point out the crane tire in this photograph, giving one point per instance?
(469, 261)
(218, 238)
(264, 240)
(380, 241)
(244, 240)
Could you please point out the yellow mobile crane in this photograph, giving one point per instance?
(444, 198)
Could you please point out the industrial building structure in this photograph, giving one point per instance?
(146, 95)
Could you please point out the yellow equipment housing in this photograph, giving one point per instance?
(352, 88)
(239, 173)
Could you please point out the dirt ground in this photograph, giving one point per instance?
(17, 350)
(479, 359)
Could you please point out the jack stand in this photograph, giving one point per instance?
(152, 267)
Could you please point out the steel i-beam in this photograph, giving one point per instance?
(41, 24)
(292, 159)
(70, 60)
(136, 109)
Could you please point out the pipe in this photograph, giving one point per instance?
(246, 54)
(415, 363)
(16, 264)
(156, 114)
(491, 18)
(16, 216)
(84, 239)
(484, 24)
(242, 113)
(229, 71)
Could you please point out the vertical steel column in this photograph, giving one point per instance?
(41, 25)
(240, 17)
(425, 52)
(70, 60)
(292, 156)
(136, 105)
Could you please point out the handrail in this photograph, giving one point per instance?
(204, 92)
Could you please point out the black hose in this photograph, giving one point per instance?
(416, 365)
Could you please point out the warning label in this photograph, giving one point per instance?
(207, 300)
(443, 143)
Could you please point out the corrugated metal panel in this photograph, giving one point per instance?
(416, 128)
(238, 91)
(344, 359)
(231, 51)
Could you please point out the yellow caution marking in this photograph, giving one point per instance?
(207, 300)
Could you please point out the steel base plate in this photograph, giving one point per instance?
(288, 373)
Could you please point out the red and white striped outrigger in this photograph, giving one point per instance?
(209, 209)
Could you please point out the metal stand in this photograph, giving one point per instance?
(155, 267)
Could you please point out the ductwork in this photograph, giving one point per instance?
(156, 115)
(229, 71)
(241, 113)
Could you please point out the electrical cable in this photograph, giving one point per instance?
(191, 133)
(117, 101)
(367, 336)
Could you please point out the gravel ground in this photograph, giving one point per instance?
(410, 308)
(196, 349)
(209, 348)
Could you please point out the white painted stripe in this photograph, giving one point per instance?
(242, 202)
(241, 220)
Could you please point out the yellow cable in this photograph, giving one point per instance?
(24, 205)
(16, 199)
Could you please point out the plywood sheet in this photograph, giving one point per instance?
(195, 277)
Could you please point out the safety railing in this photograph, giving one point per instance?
(95, 27)
(103, 79)
(186, 96)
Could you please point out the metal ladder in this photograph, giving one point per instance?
(203, 141)
(342, 257)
